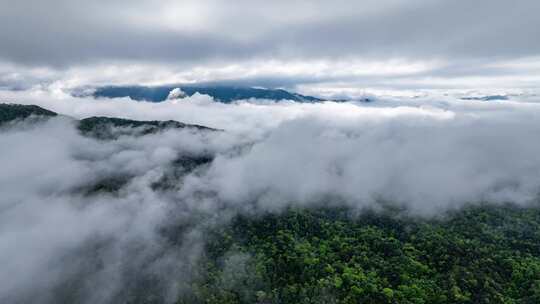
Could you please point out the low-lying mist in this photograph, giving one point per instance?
(63, 236)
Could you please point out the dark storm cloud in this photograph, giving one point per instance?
(65, 32)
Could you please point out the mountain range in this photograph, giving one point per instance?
(225, 94)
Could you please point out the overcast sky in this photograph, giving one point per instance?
(427, 154)
(326, 47)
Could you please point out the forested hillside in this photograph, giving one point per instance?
(482, 254)
(10, 112)
(327, 252)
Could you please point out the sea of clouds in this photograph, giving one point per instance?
(427, 155)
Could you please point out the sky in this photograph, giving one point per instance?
(319, 47)
(429, 154)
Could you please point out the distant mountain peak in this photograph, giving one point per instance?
(225, 94)
(486, 98)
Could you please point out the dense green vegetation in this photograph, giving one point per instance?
(483, 254)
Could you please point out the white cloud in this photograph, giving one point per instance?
(51, 232)
(429, 155)
(176, 93)
(320, 77)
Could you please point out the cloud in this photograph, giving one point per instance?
(427, 155)
(202, 31)
(358, 44)
(426, 160)
(60, 241)
(176, 93)
(61, 237)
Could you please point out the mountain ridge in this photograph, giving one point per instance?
(225, 94)
(97, 126)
